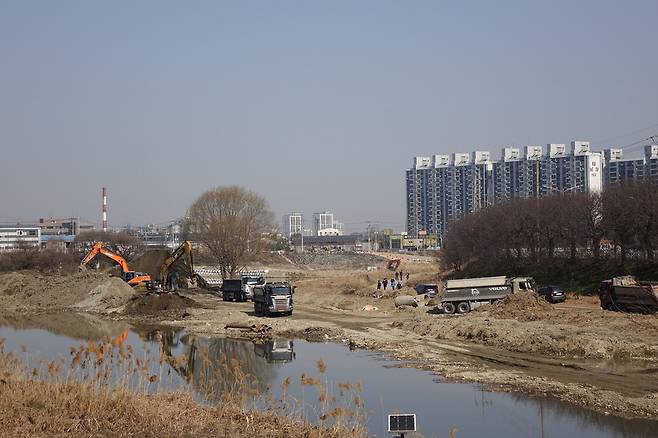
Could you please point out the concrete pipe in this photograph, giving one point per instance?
(405, 300)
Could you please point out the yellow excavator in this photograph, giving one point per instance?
(167, 283)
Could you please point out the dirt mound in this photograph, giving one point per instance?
(522, 306)
(150, 261)
(107, 296)
(155, 303)
(30, 289)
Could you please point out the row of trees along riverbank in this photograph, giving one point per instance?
(574, 239)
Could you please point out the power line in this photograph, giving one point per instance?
(637, 131)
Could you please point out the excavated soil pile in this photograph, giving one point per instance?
(150, 262)
(32, 290)
(522, 306)
(155, 303)
(107, 296)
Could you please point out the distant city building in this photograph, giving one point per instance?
(293, 224)
(324, 224)
(14, 237)
(157, 236)
(441, 189)
(63, 227)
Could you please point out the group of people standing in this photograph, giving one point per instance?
(395, 283)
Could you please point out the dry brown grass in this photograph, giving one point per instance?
(86, 397)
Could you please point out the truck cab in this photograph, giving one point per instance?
(248, 284)
(523, 284)
(273, 298)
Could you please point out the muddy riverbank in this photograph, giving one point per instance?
(574, 351)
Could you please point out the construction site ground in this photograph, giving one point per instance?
(573, 351)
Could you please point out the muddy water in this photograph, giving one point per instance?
(205, 365)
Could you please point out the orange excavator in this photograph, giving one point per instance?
(393, 264)
(131, 277)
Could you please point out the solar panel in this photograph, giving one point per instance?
(402, 423)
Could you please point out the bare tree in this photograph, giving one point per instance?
(232, 223)
(124, 244)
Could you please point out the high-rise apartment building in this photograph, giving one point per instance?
(618, 170)
(293, 224)
(322, 221)
(441, 189)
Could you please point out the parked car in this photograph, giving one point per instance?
(430, 290)
(552, 294)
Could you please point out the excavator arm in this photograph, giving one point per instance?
(133, 278)
(185, 249)
(98, 248)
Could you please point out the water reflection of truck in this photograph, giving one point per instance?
(273, 298)
(276, 351)
(627, 294)
(467, 294)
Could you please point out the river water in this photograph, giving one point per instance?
(207, 366)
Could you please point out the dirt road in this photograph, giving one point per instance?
(573, 351)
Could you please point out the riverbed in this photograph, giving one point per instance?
(206, 366)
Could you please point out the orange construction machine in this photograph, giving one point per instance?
(131, 277)
(393, 264)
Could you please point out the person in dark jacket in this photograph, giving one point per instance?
(379, 284)
(385, 283)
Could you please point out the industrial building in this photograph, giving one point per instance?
(441, 189)
(14, 237)
(63, 227)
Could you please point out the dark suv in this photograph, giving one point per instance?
(552, 294)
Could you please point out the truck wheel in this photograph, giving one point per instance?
(448, 308)
(463, 307)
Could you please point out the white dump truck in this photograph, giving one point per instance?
(464, 295)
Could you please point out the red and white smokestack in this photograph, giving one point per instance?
(104, 209)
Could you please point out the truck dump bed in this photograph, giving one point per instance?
(476, 282)
(628, 294)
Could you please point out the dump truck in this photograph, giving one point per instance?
(464, 295)
(250, 281)
(241, 289)
(232, 290)
(273, 298)
(627, 294)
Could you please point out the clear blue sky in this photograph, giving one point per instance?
(314, 105)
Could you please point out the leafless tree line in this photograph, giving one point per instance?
(621, 223)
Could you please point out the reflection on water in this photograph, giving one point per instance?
(276, 351)
(212, 366)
